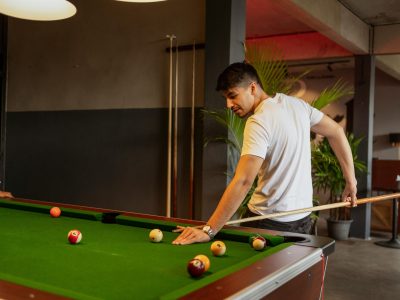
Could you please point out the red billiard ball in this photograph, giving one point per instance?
(55, 212)
(74, 236)
(195, 267)
(259, 243)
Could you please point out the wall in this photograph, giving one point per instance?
(87, 99)
(387, 116)
(110, 55)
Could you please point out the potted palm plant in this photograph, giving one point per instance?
(328, 176)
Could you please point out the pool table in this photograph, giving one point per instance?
(116, 260)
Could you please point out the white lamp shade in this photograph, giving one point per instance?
(38, 10)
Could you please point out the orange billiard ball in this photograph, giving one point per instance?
(218, 248)
(55, 212)
(205, 260)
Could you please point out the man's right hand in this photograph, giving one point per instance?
(191, 235)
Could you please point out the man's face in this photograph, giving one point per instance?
(240, 99)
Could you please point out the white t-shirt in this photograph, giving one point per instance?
(279, 132)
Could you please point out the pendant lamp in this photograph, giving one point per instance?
(38, 10)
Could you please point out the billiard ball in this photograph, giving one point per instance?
(205, 260)
(252, 238)
(156, 235)
(259, 243)
(55, 212)
(74, 236)
(195, 267)
(218, 248)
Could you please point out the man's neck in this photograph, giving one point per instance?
(262, 97)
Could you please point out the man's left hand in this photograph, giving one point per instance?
(350, 194)
(5, 195)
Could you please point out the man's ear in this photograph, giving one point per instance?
(253, 88)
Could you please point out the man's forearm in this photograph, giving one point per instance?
(236, 191)
(229, 203)
(342, 150)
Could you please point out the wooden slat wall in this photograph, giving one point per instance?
(384, 173)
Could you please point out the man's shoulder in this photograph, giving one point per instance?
(294, 102)
(290, 98)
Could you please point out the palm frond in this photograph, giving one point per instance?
(232, 123)
(332, 94)
(271, 67)
(292, 80)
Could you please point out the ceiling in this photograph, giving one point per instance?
(268, 18)
(375, 12)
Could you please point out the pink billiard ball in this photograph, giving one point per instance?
(74, 236)
(55, 212)
(196, 267)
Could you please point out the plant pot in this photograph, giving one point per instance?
(339, 229)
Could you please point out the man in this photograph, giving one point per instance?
(276, 147)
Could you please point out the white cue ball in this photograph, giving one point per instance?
(156, 235)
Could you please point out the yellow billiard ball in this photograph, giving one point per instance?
(205, 260)
(259, 243)
(218, 248)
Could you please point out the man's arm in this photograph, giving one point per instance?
(340, 146)
(246, 172)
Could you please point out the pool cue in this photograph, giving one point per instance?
(191, 176)
(315, 208)
(309, 209)
(168, 200)
(175, 168)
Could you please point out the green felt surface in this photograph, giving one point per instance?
(67, 212)
(113, 261)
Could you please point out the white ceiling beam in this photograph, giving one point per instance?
(333, 20)
(336, 22)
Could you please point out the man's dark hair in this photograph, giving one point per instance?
(237, 74)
